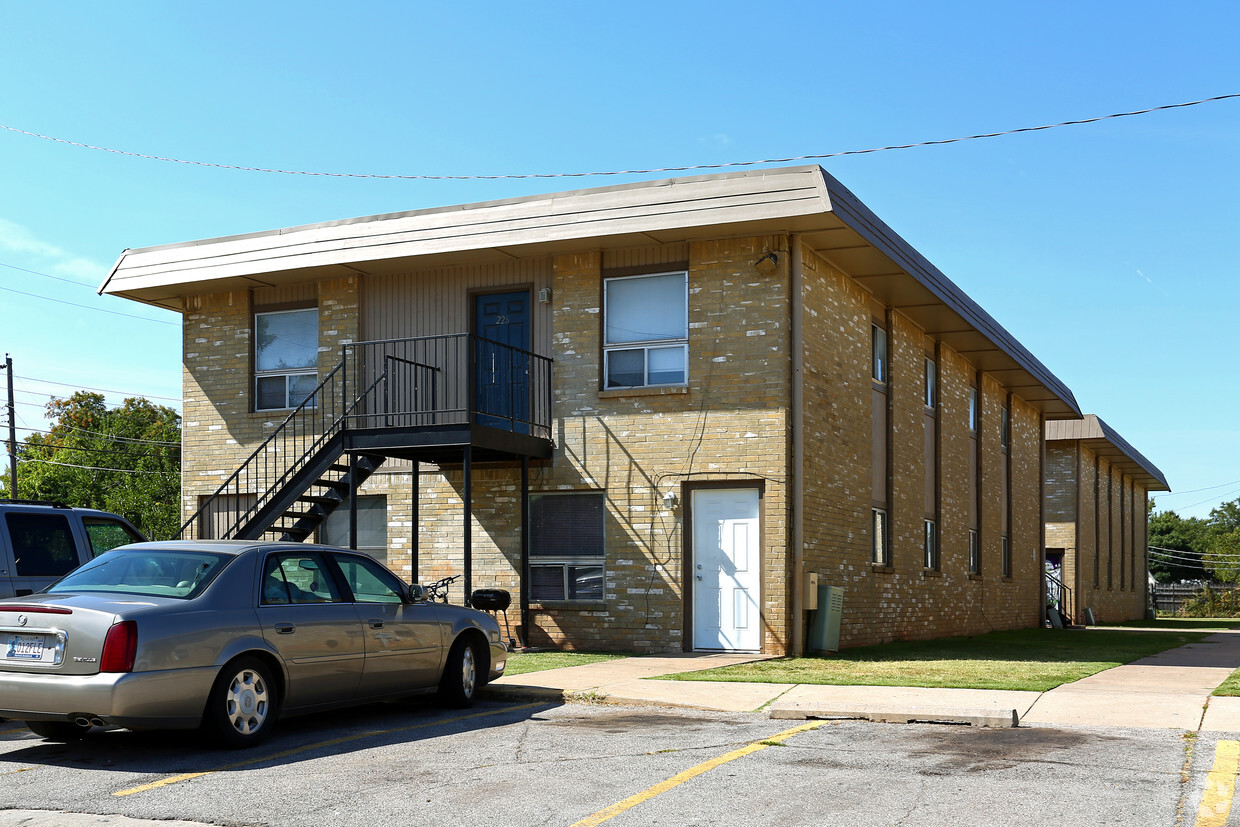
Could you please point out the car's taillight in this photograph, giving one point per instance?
(120, 647)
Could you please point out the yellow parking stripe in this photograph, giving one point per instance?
(676, 780)
(176, 779)
(1220, 786)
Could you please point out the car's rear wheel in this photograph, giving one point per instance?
(243, 704)
(58, 730)
(460, 682)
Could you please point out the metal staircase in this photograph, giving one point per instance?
(420, 398)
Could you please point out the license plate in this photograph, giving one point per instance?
(24, 647)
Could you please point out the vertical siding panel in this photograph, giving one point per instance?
(437, 302)
(676, 253)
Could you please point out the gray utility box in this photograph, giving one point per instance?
(824, 626)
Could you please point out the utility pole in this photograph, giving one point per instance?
(12, 411)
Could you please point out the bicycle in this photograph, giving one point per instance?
(439, 589)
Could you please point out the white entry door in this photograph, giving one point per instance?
(726, 570)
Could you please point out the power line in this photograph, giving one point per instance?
(88, 307)
(812, 157)
(126, 439)
(94, 468)
(48, 276)
(87, 388)
(1161, 494)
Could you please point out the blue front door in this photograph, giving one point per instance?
(502, 362)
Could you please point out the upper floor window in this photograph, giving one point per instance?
(878, 354)
(646, 334)
(973, 409)
(1005, 429)
(286, 356)
(932, 384)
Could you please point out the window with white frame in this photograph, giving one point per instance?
(931, 544)
(975, 553)
(566, 547)
(286, 358)
(880, 543)
(646, 330)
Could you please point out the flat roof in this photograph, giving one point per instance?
(801, 199)
(1105, 441)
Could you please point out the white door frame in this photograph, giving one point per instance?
(750, 638)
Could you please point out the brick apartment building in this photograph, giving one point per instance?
(1097, 529)
(649, 411)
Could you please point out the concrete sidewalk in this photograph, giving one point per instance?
(1170, 690)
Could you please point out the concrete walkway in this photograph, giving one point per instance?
(1170, 690)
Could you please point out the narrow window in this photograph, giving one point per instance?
(1005, 559)
(932, 384)
(1005, 429)
(975, 553)
(931, 545)
(646, 336)
(973, 409)
(880, 546)
(566, 547)
(878, 354)
(286, 353)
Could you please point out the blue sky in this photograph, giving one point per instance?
(1110, 249)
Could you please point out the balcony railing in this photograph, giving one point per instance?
(449, 380)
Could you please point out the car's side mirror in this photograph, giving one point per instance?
(417, 593)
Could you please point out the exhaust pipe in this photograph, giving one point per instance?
(88, 721)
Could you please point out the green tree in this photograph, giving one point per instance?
(1177, 546)
(126, 460)
(1223, 541)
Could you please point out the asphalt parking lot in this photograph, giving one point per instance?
(580, 764)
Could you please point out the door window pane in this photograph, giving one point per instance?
(105, 535)
(42, 544)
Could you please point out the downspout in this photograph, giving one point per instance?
(796, 478)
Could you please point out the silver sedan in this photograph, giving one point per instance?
(229, 636)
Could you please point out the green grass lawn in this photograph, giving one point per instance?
(520, 663)
(1024, 659)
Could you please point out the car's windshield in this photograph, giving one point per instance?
(153, 573)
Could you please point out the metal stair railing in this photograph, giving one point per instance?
(308, 427)
(1059, 597)
(405, 383)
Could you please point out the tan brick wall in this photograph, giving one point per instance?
(1111, 530)
(905, 601)
(730, 424)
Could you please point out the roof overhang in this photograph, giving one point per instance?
(1099, 437)
(803, 200)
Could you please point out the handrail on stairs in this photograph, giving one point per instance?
(409, 371)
